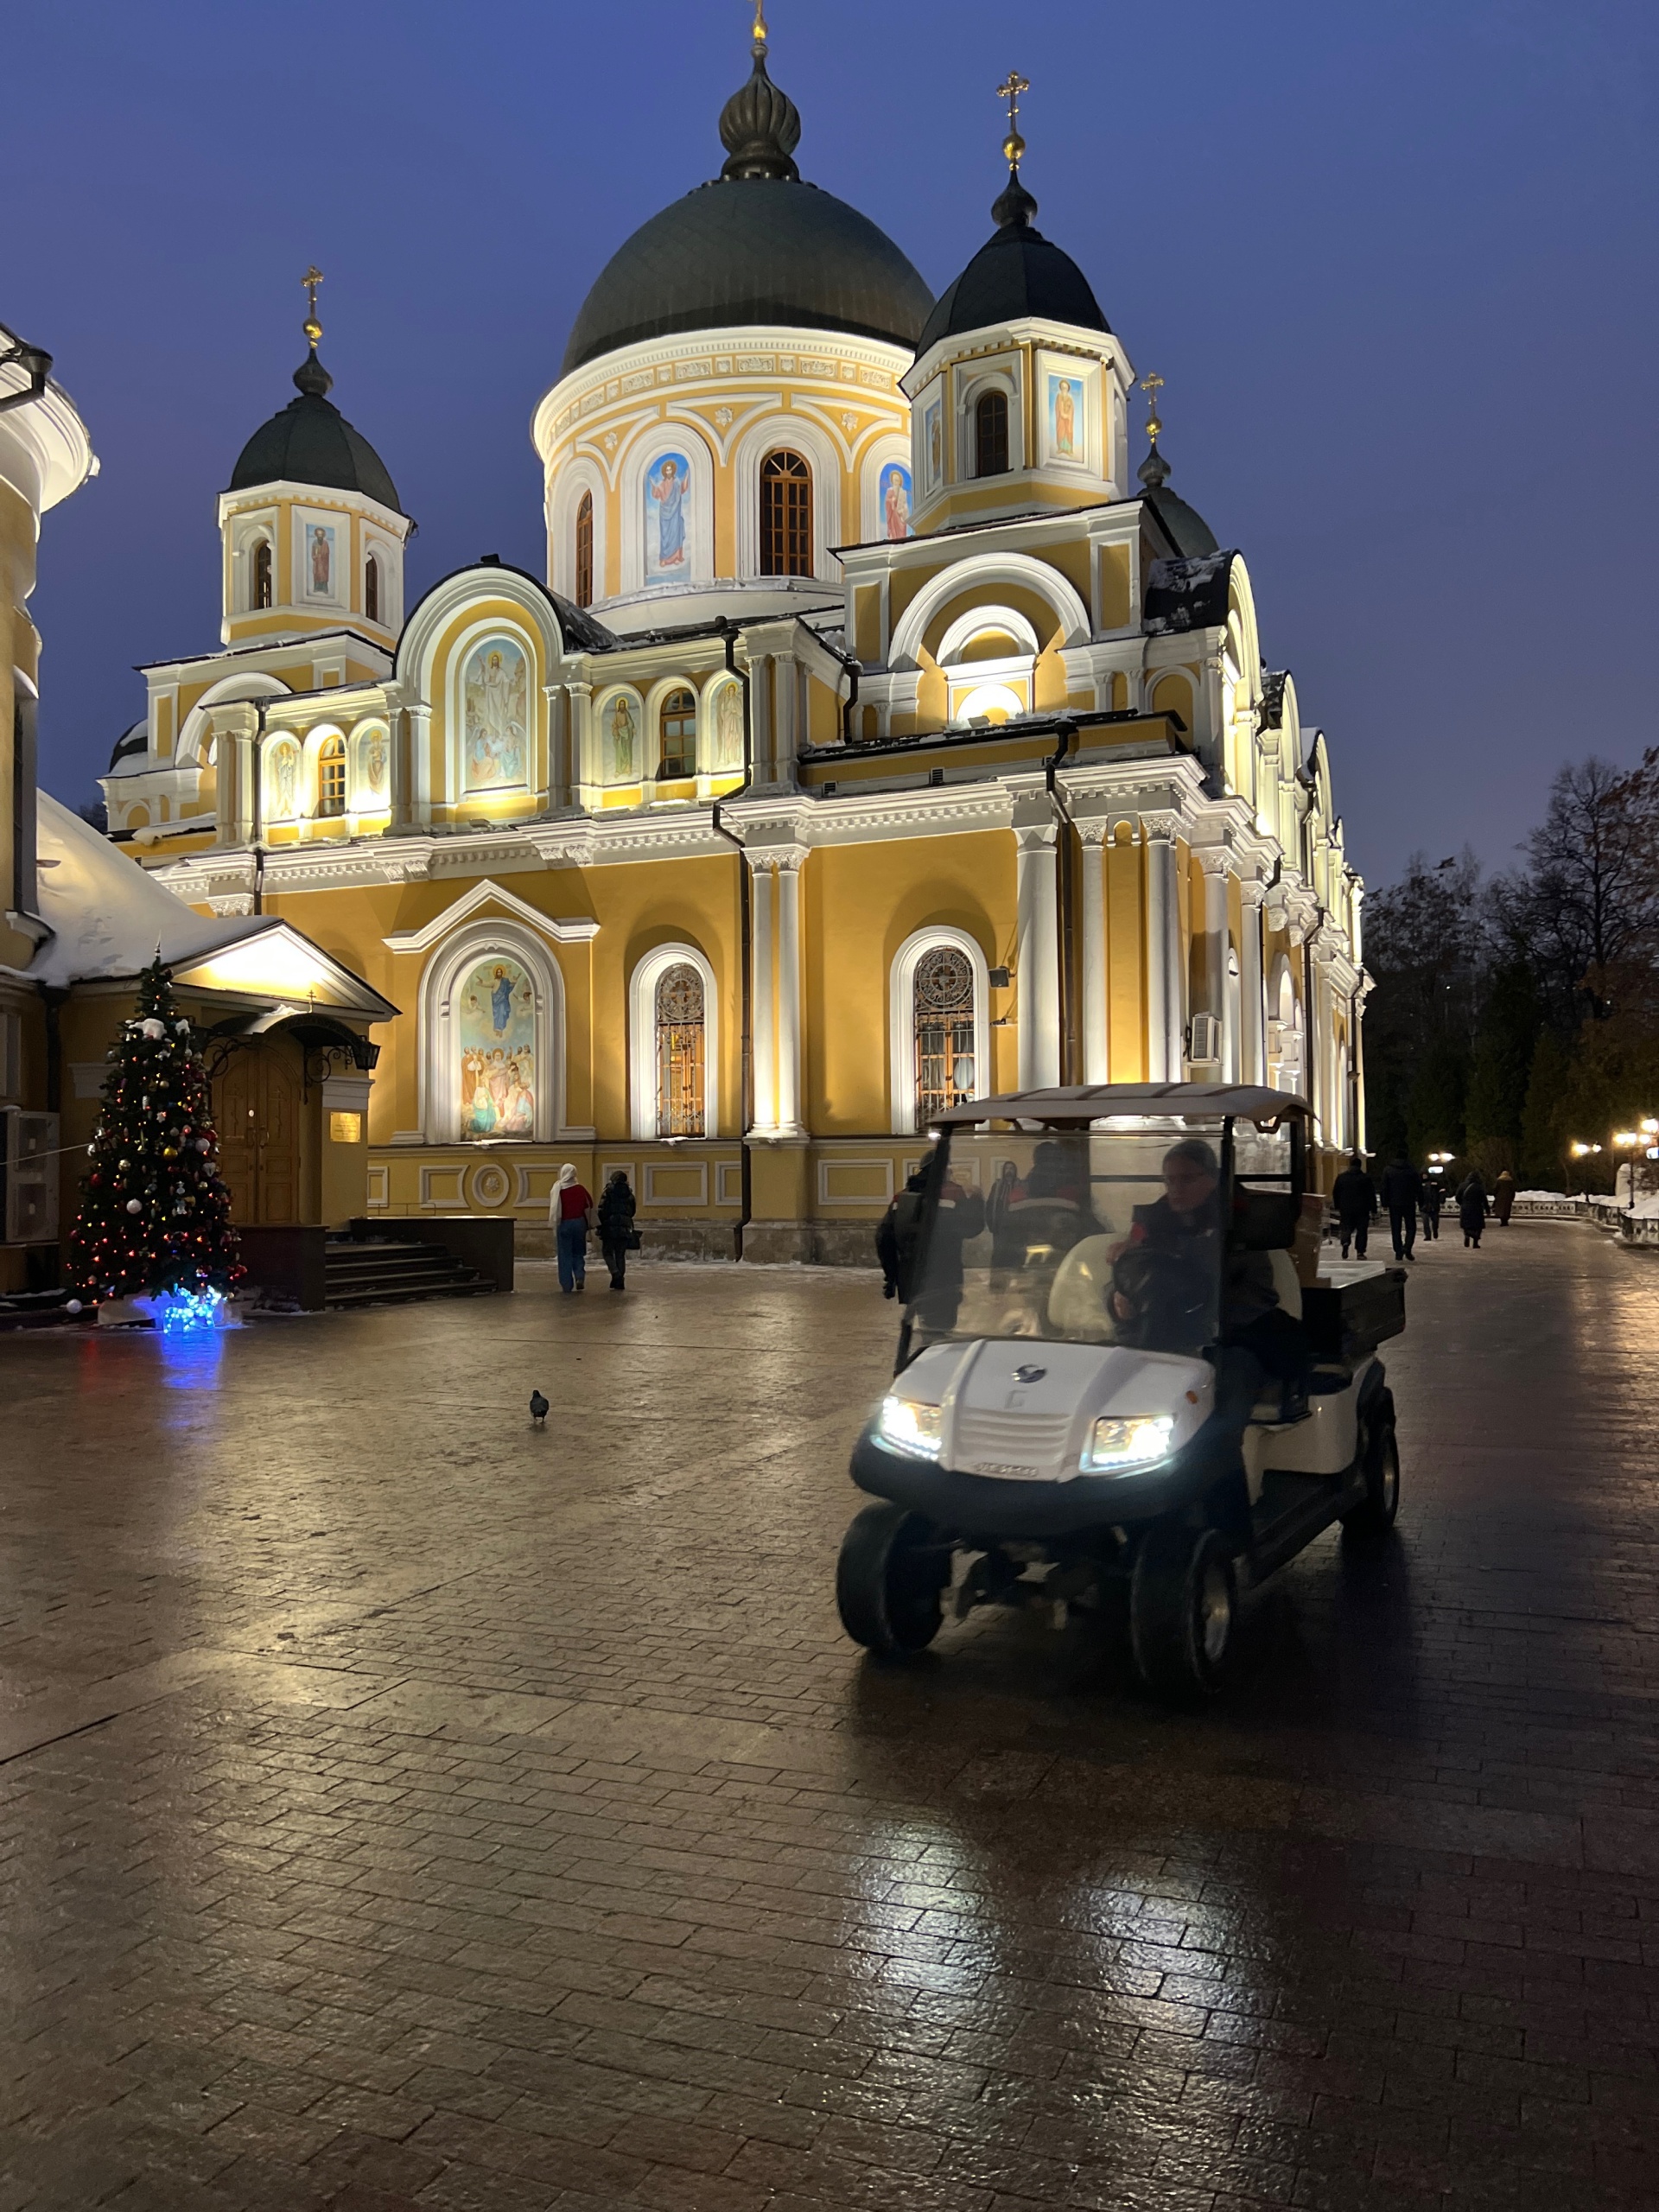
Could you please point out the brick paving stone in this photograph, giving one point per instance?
(403, 1808)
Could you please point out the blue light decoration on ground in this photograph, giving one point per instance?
(187, 1313)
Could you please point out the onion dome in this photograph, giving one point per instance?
(310, 441)
(1189, 534)
(1017, 274)
(755, 246)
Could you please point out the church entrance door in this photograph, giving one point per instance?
(254, 1107)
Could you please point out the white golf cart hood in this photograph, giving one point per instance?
(1021, 1409)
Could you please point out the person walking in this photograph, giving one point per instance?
(571, 1214)
(1434, 1195)
(1354, 1196)
(1402, 1193)
(616, 1236)
(1471, 1209)
(1503, 1196)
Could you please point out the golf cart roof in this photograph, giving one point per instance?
(1096, 1102)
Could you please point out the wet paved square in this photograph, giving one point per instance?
(403, 1807)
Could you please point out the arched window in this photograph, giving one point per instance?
(991, 434)
(680, 1052)
(261, 596)
(677, 724)
(943, 1030)
(331, 776)
(785, 516)
(585, 551)
(371, 588)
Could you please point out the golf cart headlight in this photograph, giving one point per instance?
(904, 1426)
(1118, 1442)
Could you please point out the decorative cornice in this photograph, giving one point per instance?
(578, 929)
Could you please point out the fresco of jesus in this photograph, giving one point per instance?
(668, 490)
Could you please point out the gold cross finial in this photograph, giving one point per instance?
(313, 328)
(1010, 89)
(1152, 383)
(759, 32)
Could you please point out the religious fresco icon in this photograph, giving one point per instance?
(933, 443)
(318, 561)
(495, 734)
(496, 1038)
(668, 493)
(621, 734)
(895, 501)
(728, 728)
(281, 781)
(374, 759)
(1065, 417)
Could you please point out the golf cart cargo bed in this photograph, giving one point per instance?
(1354, 1310)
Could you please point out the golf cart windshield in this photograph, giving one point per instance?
(1107, 1233)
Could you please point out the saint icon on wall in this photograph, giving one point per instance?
(933, 443)
(374, 761)
(320, 560)
(668, 489)
(895, 501)
(496, 1034)
(728, 728)
(621, 734)
(283, 781)
(495, 736)
(1063, 442)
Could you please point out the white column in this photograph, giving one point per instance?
(765, 1053)
(1213, 859)
(1037, 956)
(1253, 1065)
(788, 997)
(558, 747)
(786, 683)
(1158, 933)
(763, 721)
(1096, 977)
(420, 765)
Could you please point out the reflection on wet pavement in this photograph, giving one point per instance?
(403, 1806)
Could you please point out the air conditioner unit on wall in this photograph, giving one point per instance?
(29, 1174)
(1204, 1038)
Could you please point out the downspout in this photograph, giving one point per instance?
(1067, 963)
(258, 804)
(36, 365)
(745, 933)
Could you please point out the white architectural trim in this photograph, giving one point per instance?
(901, 986)
(642, 1038)
(575, 931)
(245, 684)
(440, 1056)
(975, 573)
(977, 623)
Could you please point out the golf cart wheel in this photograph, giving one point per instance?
(888, 1579)
(1183, 1605)
(1380, 1464)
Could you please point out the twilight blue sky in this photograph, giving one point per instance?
(1396, 262)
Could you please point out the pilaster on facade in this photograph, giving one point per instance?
(1037, 939)
(1165, 967)
(774, 865)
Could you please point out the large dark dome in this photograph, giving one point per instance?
(1016, 274)
(310, 441)
(755, 246)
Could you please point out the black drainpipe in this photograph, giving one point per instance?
(258, 806)
(745, 894)
(850, 663)
(1062, 897)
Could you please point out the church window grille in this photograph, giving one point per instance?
(943, 1017)
(262, 573)
(371, 588)
(991, 435)
(680, 1045)
(678, 727)
(331, 776)
(785, 516)
(585, 551)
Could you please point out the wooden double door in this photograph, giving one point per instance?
(255, 1109)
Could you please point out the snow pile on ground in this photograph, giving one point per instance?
(1646, 1208)
(1560, 1197)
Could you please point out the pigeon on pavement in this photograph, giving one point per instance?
(537, 1407)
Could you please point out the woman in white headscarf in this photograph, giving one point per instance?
(569, 1216)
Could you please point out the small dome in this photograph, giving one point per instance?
(1016, 273)
(310, 441)
(756, 246)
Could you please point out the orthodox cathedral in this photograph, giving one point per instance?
(878, 738)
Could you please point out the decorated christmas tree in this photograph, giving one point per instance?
(155, 1216)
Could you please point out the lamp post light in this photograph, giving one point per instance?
(1582, 1151)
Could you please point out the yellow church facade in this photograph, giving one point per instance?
(878, 738)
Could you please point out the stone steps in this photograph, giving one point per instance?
(395, 1271)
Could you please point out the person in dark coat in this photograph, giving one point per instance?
(616, 1237)
(1354, 1196)
(1503, 1196)
(961, 1215)
(1402, 1193)
(1433, 1194)
(1471, 1210)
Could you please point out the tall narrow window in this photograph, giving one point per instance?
(680, 1052)
(261, 596)
(991, 435)
(585, 551)
(679, 721)
(785, 516)
(944, 1028)
(331, 776)
(371, 588)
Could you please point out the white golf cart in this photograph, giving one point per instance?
(1073, 1422)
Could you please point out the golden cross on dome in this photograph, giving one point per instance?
(312, 328)
(1010, 89)
(760, 31)
(1152, 383)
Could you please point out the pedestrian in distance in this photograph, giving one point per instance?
(1433, 1196)
(1503, 1196)
(1471, 1209)
(1354, 1196)
(1402, 1193)
(617, 1235)
(570, 1216)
